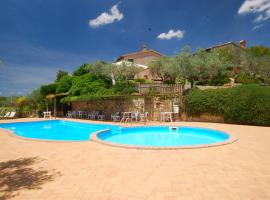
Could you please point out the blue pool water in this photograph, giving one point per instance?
(56, 130)
(162, 136)
(59, 130)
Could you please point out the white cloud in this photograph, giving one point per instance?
(261, 7)
(171, 34)
(257, 27)
(107, 18)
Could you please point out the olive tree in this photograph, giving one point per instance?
(185, 69)
(255, 64)
(159, 68)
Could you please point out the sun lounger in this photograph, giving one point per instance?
(5, 116)
(12, 115)
(9, 115)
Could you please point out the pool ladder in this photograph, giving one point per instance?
(173, 129)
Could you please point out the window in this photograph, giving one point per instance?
(130, 60)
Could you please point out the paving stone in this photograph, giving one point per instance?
(89, 171)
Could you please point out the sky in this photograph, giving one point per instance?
(38, 38)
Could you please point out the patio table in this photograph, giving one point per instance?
(47, 114)
(166, 115)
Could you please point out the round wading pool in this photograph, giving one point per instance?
(163, 137)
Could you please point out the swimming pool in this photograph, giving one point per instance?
(56, 130)
(146, 136)
(162, 136)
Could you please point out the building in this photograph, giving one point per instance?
(140, 59)
(143, 58)
(231, 47)
(242, 45)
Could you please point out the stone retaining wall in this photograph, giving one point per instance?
(152, 105)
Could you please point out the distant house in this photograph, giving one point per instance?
(140, 59)
(230, 46)
(242, 45)
(143, 58)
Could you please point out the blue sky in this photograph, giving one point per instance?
(37, 37)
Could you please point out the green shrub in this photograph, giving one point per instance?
(169, 82)
(203, 82)
(246, 78)
(246, 104)
(125, 87)
(84, 69)
(60, 74)
(219, 79)
(266, 80)
(140, 80)
(88, 84)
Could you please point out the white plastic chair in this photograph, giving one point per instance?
(134, 115)
(91, 116)
(47, 114)
(116, 117)
(69, 114)
(126, 117)
(144, 117)
(100, 116)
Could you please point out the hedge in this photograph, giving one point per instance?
(69, 99)
(246, 104)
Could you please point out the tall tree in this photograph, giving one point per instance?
(159, 68)
(114, 72)
(48, 89)
(257, 60)
(60, 74)
(64, 84)
(185, 70)
(258, 51)
(83, 69)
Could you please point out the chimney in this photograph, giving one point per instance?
(243, 44)
(144, 48)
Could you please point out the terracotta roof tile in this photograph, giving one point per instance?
(221, 45)
(140, 54)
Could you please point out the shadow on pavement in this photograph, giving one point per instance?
(20, 174)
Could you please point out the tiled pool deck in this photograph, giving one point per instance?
(88, 170)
